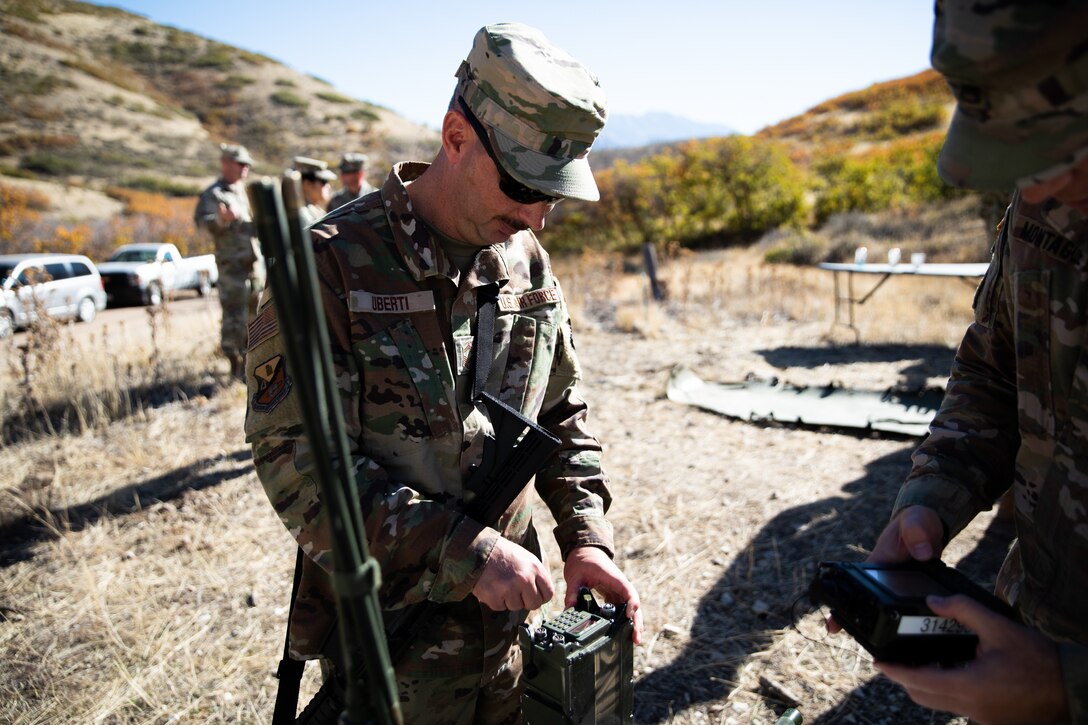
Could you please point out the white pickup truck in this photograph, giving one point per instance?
(144, 273)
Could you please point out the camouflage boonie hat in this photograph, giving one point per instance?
(353, 162)
(312, 168)
(543, 109)
(1019, 72)
(235, 152)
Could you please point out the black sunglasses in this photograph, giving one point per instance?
(510, 186)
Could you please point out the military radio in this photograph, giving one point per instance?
(883, 607)
(579, 666)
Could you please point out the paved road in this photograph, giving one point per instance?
(188, 314)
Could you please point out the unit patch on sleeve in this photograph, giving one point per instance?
(273, 384)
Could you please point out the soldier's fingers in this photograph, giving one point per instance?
(921, 531)
(544, 587)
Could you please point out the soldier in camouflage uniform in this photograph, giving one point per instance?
(353, 179)
(1015, 414)
(223, 210)
(400, 272)
(315, 187)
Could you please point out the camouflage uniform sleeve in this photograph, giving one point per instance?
(968, 458)
(573, 484)
(206, 215)
(426, 550)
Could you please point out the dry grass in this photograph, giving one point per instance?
(62, 377)
(731, 288)
(146, 576)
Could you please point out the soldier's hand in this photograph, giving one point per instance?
(226, 214)
(513, 579)
(916, 532)
(590, 566)
(1015, 677)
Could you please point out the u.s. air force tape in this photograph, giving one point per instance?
(363, 301)
(528, 300)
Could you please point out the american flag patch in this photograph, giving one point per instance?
(263, 326)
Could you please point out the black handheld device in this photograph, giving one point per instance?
(883, 607)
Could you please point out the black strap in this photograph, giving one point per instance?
(487, 305)
(289, 671)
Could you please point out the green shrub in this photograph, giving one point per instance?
(287, 98)
(17, 173)
(899, 174)
(233, 82)
(286, 82)
(364, 114)
(135, 51)
(45, 162)
(702, 193)
(14, 83)
(333, 97)
(800, 248)
(215, 56)
(903, 116)
(159, 185)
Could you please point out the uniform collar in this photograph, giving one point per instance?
(1065, 220)
(419, 248)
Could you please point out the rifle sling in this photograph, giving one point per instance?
(289, 672)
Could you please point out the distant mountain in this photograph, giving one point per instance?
(654, 128)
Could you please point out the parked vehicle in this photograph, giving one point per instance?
(65, 286)
(144, 273)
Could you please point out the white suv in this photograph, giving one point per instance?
(65, 286)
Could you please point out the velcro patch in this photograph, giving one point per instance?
(463, 346)
(263, 326)
(363, 301)
(273, 384)
(529, 300)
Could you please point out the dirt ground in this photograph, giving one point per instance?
(149, 583)
(721, 522)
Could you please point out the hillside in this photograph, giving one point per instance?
(96, 97)
(855, 122)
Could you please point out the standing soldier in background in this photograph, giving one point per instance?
(1015, 413)
(315, 187)
(415, 281)
(353, 178)
(223, 210)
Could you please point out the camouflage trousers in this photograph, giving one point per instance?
(488, 698)
(468, 673)
(239, 289)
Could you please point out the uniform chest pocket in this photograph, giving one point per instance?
(403, 392)
(1033, 364)
(530, 349)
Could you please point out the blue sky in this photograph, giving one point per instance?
(742, 64)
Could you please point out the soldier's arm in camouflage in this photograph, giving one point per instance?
(426, 550)
(573, 484)
(206, 215)
(968, 458)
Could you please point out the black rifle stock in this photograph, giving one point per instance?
(355, 576)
